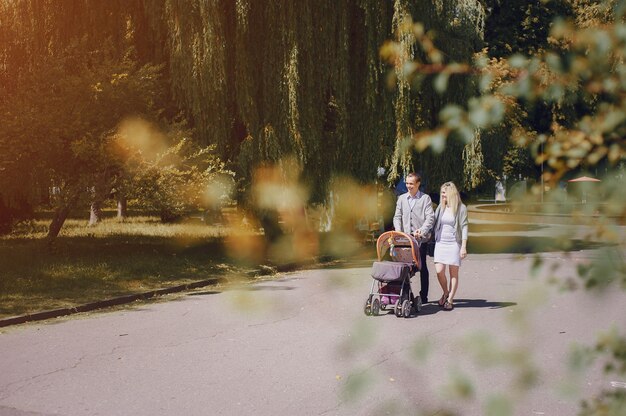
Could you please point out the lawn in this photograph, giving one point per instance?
(113, 258)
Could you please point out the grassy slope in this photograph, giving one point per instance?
(113, 258)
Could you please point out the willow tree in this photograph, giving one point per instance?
(316, 82)
(268, 79)
(457, 29)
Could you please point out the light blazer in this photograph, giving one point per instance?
(421, 216)
(461, 223)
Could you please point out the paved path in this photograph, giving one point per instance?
(302, 346)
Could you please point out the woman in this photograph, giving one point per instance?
(451, 226)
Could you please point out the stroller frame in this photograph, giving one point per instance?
(391, 280)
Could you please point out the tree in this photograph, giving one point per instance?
(512, 27)
(314, 79)
(521, 26)
(178, 178)
(59, 121)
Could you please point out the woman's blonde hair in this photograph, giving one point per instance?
(453, 199)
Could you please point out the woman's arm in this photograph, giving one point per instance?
(436, 220)
(464, 229)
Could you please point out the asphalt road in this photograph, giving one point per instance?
(301, 345)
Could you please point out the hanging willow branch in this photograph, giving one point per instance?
(304, 78)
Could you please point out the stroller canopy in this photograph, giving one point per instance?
(403, 247)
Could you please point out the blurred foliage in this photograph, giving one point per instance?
(611, 347)
(570, 69)
(531, 97)
(181, 179)
(579, 74)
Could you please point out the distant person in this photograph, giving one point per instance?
(400, 187)
(500, 192)
(451, 229)
(414, 215)
(388, 206)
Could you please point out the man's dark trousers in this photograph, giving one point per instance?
(424, 276)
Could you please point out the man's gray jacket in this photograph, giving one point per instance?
(421, 217)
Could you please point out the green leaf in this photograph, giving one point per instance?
(499, 406)
(517, 61)
(441, 82)
(437, 142)
(356, 385)
(460, 386)
(479, 116)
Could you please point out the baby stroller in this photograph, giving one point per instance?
(391, 285)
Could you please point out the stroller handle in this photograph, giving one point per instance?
(389, 237)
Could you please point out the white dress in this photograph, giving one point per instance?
(447, 249)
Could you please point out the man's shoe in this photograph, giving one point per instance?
(424, 300)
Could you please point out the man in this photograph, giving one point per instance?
(414, 215)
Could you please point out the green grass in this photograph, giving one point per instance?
(87, 264)
(140, 254)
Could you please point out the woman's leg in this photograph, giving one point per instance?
(454, 282)
(440, 268)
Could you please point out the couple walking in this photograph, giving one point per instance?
(414, 215)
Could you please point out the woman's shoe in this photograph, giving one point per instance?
(448, 306)
(441, 302)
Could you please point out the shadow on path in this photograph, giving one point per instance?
(481, 303)
(433, 308)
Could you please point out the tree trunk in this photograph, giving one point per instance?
(60, 215)
(58, 220)
(95, 213)
(122, 207)
(100, 191)
(6, 218)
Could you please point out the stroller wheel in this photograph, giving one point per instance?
(398, 309)
(375, 306)
(406, 308)
(368, 307)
